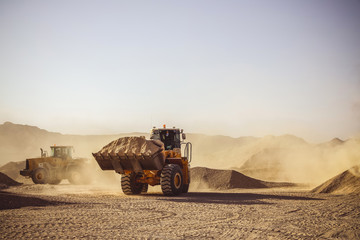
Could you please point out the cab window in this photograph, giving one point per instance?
(171, 139)
(57, 152)
(69, 152)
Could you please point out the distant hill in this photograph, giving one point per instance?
(287, 158)
(18, 142)
(335, 142)
(270, 158)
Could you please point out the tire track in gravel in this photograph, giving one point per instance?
(341, 216)
(152, 216)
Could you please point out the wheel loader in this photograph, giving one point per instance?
(163, 160)
(56, 167)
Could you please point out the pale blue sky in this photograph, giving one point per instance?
(215, 67)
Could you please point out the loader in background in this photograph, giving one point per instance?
(56, 167)
(163, 160)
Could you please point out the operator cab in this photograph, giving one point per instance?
(169, 136)
(61, 151)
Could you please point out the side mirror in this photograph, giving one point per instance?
(183, 136)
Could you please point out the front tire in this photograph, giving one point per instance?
(129, 185)
(185, 188)
(40, 176)
(171, 180)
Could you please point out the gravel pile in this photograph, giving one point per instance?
(223, 179)
(12, 169)
(345, 183)
(6, 182)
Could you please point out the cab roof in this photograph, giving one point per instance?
(167, 129)
(61, 146)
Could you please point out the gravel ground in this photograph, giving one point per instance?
(66, 211)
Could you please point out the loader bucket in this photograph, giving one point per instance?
(131, 153)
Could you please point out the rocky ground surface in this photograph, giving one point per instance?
(66, 211)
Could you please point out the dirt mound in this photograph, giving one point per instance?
(5, 181)
(345, 183)
(132, 146)
(222, 179)
(12, 169)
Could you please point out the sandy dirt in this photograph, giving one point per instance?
(67, 211)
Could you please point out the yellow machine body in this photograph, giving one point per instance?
(152, 177)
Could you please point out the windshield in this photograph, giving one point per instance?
(69, 152)
(61, 152)
(171, 139)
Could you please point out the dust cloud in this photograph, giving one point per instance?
(284, 158)
(277, 158)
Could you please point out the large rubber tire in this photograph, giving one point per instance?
(185, 188)
(129, 185)
(74, 176)
(40, 176)
(144, 188)
(171, 180)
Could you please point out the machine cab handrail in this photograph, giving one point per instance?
(187, 150)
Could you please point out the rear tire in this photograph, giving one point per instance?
(171, 180)
(40, 176)
(129, 185)
(74, 176)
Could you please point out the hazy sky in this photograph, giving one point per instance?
(215, 67)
